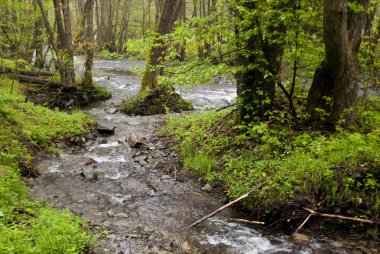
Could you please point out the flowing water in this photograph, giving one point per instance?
(141, 197)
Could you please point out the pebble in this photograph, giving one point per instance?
(186, 247)
(300, 238)
(112, 110)
(141, 158)
(165, 177)
(143, 163)
(207, 187)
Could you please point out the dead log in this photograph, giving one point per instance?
(35, 80)
(341, 217)
(6, 70)
(246, 195)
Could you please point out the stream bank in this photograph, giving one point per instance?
(141, 196)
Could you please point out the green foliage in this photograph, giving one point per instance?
(201, 164)
(26, 226)
(108, 55)
(342, 167)
(138, 48)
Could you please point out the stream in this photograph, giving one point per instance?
(140, 199)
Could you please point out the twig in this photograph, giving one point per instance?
(247, 221)
(334, 216)
(175, 172)
(303, 223)
(246, 195)
(309, 216)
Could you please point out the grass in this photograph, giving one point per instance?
(308, 165)
(27, 226)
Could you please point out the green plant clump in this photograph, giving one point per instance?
(156, 101)
(27, 226)
(108, 55)
(308, 166)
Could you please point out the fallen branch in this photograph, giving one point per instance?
(6, 70)
(246, 195)
(35, 80)
(247, 221)
(341, 217)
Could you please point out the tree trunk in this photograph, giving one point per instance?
(89, 42)
(260, 57)
(38, 44)
(336, 77)
(170, 13)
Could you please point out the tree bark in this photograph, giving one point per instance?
(336, 77)
(170, 12)
(258, 58)
(89, 42)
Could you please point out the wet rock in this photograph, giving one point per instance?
(300, 238)
(103, 141)
(111, 213)
(207, 187)
(88, 143)
(112, 110)
(141, 158)
(132, 235)
(135, 140)
(143, 163)
(90, 161)
(167, 244)
(165, 177)
(105, 127)
(60, 145)
(185, 246)
(151, 193)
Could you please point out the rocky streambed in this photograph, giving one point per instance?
(128, 184)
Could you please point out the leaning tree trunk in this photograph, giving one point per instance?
(170, 12)
(336, 77)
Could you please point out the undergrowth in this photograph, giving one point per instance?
(309, 166)
(27, 226)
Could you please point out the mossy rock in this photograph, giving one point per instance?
(157, 101)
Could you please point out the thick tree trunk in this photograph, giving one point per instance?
(170, 13)
(336, 77)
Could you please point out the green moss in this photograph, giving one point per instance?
(156, 101)
(308, 166)
(27, 226)
(92, 93)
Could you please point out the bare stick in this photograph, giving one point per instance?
(248, 221)
(308, 217)
(303, 223)
(334, 216)
(246, 195)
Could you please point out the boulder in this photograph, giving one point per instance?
(105, 127)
